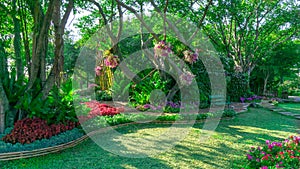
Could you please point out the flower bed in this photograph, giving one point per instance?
(28, 130)
(98, 109)
(59, 139)
(284, 154)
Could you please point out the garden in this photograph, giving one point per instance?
(149, 84)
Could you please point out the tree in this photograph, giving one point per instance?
(272, 69)
(247, 31)
(15, 84)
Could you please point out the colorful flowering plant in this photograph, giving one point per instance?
(253, 98)
(161, 49)
(28, 130)
(285, 154)
(186, 78)
(111, 61)
(190, 56)
(99, 109)
(98, 70)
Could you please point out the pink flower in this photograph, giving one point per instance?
(92, 85)
(264, 167)
(111, 61)
(190, 57)
(186, 78)
(249, 157)
(162, 49)
(98, 70)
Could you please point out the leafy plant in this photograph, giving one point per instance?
(103, 95)
(140, 93)
(98, 109)
(61, 104)
(29, 130)
(34, 107)
(172, 117)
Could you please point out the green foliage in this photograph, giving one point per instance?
(34, 107)
(237, 86)
(104, 121)
(140, 93)
(58, 107)
(170, 109)
(103, 95)
(229, 113)
(61, 103)
(172, 117)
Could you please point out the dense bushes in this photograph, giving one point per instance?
(56, 108)
(237, 86)
(28, 130)
(61, 138)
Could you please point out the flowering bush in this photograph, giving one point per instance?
(186, 78)
(190, 57)
(98, 70)
(284, 154)
(162, 49)
(111, 61)
(29, 130)
(253, 98)
(98, 109)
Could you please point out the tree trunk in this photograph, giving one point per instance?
(17, 42)
(4, 106)
(40, 43)
(265, 84)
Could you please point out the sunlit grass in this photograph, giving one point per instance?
(225, 148)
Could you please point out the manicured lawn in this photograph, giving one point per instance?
(292, 107)
(225, 149)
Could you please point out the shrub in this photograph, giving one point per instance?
(251, 99)
(172, 117)
(103, 95)
(28, 130)
(285, 154)
(61, 138)
(237, 85)
(229, 113)
(98, 109)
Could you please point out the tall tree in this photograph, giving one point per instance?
(247, 31)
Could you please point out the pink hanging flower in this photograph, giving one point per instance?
(111, 61)
(190, 56)
(162, 49)
(98, 70)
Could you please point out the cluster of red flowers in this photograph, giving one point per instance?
(28, 130)
(99, 109)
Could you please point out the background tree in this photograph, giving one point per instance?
(248, 31)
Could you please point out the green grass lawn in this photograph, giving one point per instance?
(292, 107)
(226, 148)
